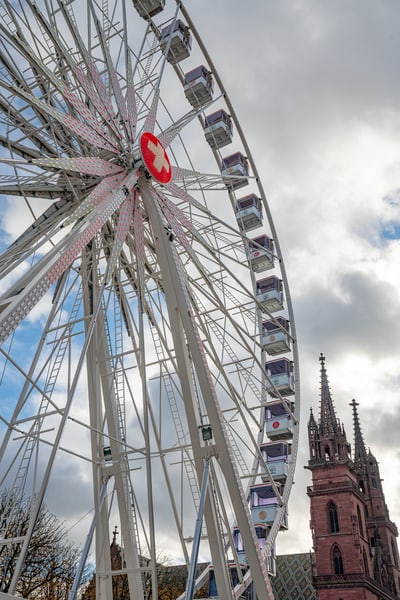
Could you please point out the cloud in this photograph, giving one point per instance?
(348, 315)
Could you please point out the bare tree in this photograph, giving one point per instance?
(51, 561)
(171, 579)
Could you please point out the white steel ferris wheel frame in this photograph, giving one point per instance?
(151, 349)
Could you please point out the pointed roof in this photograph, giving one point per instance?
(327, 438)
(328, 420)
(115, 533)
(360, 451)
(312, 425)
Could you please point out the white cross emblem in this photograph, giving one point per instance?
(160, 161)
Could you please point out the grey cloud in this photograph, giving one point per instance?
(357, 313)
(383, 427)
(308, 69)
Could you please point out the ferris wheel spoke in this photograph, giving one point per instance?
(34, 237)
(123, 225)
(19, 149)
(8, 69)
(96, 88)
(173, 215)
(84, 112)
(35, 62)
(195, 180)
(179, 174)
(77, 127)
(131, 100)
(97, 95)
(15, 120)
(120, 101)
(104, 97)
(41, 186)
(138, 229)
(39, 106)
(168, 135)
(182, 194)
(90, 165)
(150, 121)
(11, 69)
(24, 295)
(96, 197)
(97, 98)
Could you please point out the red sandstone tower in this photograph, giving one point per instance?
(356, 555)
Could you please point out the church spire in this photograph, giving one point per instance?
(115, 533)
(327, 438)
(328, 420)
(360, 452)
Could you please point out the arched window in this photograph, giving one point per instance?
(360, 524)
(384, 577)
(366, 567)
(395, 552)
(333, 518)
(337, 560)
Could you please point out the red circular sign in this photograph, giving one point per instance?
(275, 424)
(155, 158)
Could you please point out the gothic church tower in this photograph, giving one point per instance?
(356, 556)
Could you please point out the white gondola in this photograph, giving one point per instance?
(233, 572)
(218, 129)
(149, 8)
(235, 166)
(276, 336)
(276, 455)
(264, 504)
(280, 379)
(279, 423)
(249, 212)
(198, 86)
(261, 253)
(239, 547)
(107, 454)
(181, 41)
(270, 293)
(261, 530)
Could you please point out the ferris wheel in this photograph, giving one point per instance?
(148, 345)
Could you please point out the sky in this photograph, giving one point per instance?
(315, 85)
(316, 88)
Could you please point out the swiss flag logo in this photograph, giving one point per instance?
(155, 158)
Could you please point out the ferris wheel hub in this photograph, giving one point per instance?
(155, 157)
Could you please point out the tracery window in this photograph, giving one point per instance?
(337, 560)
(395, 552)
(365, 560)
(333, 519)
(360, 524)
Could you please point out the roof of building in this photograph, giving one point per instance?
(294, 577)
